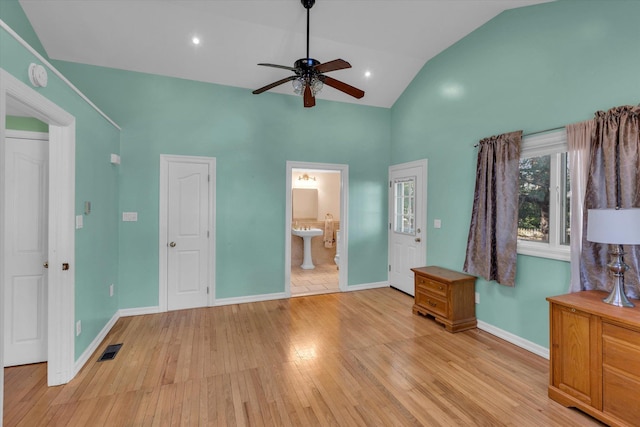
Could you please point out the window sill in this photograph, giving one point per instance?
(544, 250)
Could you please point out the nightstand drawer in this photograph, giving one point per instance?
(431, 285)
(431, 302)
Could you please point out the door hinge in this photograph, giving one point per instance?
(208, 178)
(389, 226)
(207, 290)
(389, 267)
(207, 234)
(389, 184)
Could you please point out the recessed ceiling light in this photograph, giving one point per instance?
(367, 73)
(195, 40)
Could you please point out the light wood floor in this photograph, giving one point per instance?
(358, 358)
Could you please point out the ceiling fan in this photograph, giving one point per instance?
(309, 75)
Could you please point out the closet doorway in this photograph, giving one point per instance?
(316, 258)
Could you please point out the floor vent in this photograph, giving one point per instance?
(110, 352)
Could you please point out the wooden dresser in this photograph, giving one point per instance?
(595, 357)
(447, 295)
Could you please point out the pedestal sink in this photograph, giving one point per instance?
(307, 235)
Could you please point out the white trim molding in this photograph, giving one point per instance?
(514, 339)
(251, 298)
(365, 286)
(86, 354)
(40, 58)
(139, 311)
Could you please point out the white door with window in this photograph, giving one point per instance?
(25, 276)
(189, 231)
(407, 219)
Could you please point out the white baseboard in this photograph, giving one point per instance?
(84, 357)
(251, 298)
(138, 311)
(366, 286)
(514, 339)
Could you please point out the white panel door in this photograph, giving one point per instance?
(25, 278)
(407, 209)
(188, 257)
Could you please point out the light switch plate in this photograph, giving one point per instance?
(437, 223)
(79, 221)
(129, 216)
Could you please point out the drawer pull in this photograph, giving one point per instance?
(432, 304)
(573, 310)
(440, 288)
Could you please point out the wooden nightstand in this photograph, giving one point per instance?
(446, 295)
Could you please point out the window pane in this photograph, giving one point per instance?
(404, 206)
(533, 202)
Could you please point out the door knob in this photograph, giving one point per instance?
(418, 239)
(172, 244)
(46, 264)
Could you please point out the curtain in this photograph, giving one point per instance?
(493, 233)
(579, 137)
(615, 150)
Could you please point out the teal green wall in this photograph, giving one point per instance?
(12, 14)
(96, 181)
(251, 138)
(26, 123)
(532, 68)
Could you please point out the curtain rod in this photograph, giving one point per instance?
(536, 132)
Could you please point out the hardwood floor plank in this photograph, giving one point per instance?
(351, 359)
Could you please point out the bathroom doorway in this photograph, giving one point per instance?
(316, 228)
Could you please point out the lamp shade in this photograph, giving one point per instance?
(614, 226)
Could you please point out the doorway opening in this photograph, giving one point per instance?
(316, 259)
(16, 98)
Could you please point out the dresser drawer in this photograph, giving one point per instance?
(432, 286)
(431, 301)
(621, 349)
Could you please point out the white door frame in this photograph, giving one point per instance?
(165, 159)
(423, 165)
(61, 297)
(343, 272)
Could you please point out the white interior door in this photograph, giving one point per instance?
(188, 234)
(25, 278)
(407, 219)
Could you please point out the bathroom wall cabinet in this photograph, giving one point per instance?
(595, 357)
(446, 295)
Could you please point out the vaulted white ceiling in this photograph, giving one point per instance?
(392, 39)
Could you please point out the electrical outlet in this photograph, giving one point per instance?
(477, 298)
(78, 327)
(111, 290)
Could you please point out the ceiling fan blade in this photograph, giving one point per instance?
(343, 87)
(284, 67)
(272, 85)
(309, 99)
(336, 64)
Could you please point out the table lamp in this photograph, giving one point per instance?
(615, 227)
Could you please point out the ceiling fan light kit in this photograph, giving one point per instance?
(309, 78)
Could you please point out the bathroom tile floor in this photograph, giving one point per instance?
(321, 280)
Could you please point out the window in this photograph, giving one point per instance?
(543, 202)
(404, 215)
